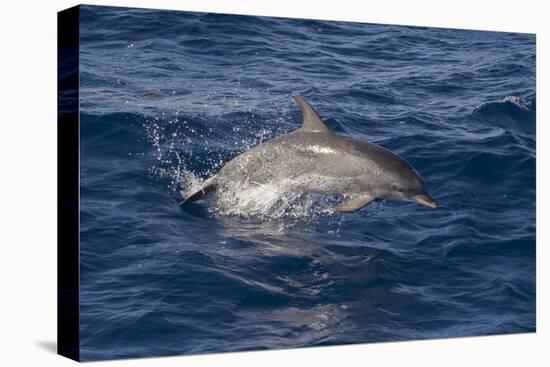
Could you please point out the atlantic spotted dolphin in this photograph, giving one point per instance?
(313, 159)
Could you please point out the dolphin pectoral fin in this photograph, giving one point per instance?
(208, 186)
(354, 203)
(312, 121)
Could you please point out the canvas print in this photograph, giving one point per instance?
(237, 183)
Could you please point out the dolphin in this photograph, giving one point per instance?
(312, 159)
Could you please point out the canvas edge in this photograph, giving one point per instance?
(68, 184)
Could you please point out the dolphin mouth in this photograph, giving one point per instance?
(426, 200)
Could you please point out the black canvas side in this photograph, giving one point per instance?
(68, 233)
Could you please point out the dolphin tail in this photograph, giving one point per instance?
(209, 185)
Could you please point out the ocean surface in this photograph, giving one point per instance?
(168, 97)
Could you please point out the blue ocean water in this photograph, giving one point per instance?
(167, 97)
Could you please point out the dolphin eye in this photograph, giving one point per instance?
(395, 187)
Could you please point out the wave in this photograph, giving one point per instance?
(509, 105)
(512, 112)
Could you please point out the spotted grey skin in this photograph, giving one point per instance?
(314, 159)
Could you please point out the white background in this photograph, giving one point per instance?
(28, 183)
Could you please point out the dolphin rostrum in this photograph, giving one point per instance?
(315, 160)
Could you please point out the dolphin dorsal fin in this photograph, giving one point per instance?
(312, 121)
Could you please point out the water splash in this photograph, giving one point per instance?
(520, 102)
(271, 201)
